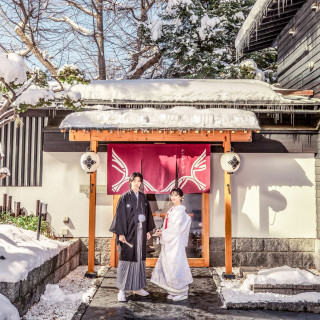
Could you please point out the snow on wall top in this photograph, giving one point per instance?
(23, 252)
(149, 118)
(251, 23)
(174, 90)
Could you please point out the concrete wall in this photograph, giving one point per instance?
(268, 252)
(273, 196)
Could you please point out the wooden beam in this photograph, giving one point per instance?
(92, 216)
(296, 92)
(228, 217)
(161, 135)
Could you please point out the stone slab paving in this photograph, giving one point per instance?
(203, 303)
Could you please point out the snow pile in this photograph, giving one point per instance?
(285, 275)
(61, 301)
(149, 118)
(179, 90)
(7, 310)
(23, 252)
(235, 291)
(12, 68)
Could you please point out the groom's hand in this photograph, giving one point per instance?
(122, 238)
(148, 236)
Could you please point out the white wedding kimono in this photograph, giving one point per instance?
(172, 271)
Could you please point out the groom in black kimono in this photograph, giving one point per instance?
(132, 224)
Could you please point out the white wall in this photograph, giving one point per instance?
(273, 196)
(62, 176)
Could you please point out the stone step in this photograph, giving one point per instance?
(245, 271)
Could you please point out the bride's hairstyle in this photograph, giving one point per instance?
(178, 191)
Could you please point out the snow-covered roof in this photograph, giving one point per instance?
(252, 22)
(174, 118)
(265, 22)
(178, 90)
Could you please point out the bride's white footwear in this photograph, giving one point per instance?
(122, 296)
(170, 297)
(179, 298)
(141, 292)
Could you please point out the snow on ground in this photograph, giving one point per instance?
(239, 290)
(7, 310)
(61, 301)
(149, 118)
(23, 252)
(179, 90)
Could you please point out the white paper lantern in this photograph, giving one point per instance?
(230, 162)
(90, 161)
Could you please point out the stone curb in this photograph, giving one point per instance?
(300, 306)
(84, 305)
(215, 277)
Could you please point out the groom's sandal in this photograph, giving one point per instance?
(122, 296)
(141, 292)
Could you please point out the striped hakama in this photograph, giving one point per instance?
(131, 275)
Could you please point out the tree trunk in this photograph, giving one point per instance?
(36, 51)
(100, 41)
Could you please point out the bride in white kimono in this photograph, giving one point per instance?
(172, 271)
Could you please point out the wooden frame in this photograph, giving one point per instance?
(142, 135)
(193, 262)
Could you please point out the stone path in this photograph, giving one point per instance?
(203, 303)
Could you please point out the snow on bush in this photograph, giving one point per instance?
(12, 68)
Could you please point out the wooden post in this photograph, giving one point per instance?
(9, 206)
(37, 207)
(228, 218)
(4, 205)
(92, 217)
(114, 252)
(17, 208)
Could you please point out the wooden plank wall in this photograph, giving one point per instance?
(22, 148)
(295, 52)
